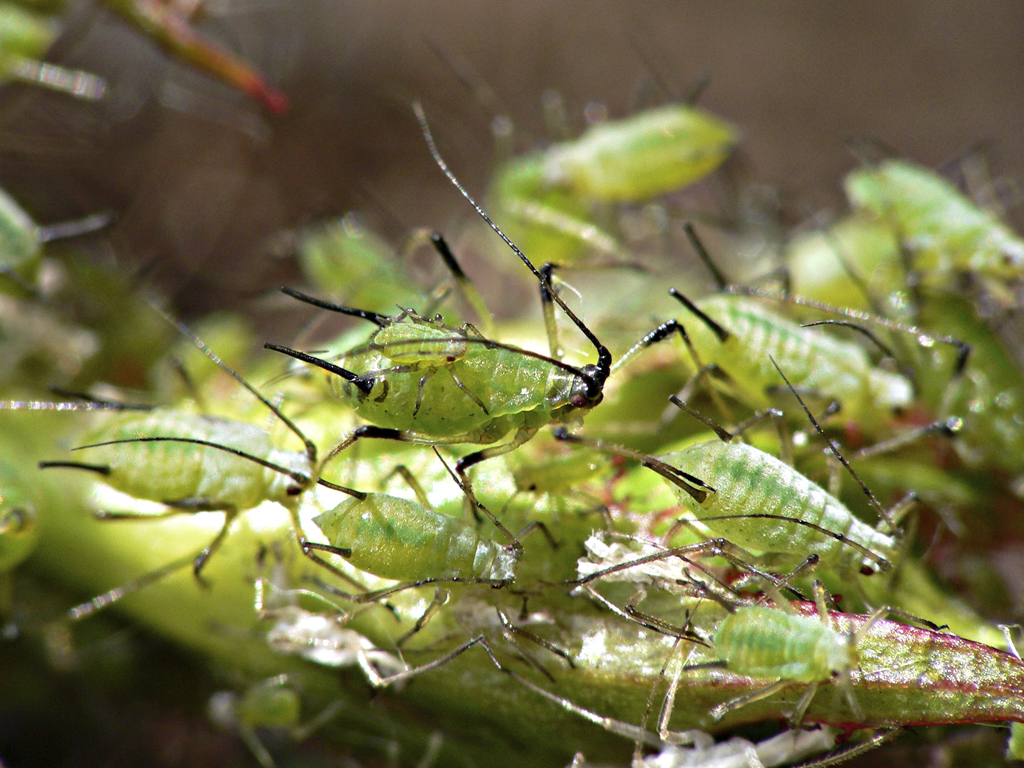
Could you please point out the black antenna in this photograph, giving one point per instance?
(596, 379)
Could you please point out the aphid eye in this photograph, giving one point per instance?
(579, 401)
(293, 490)
(867, 570)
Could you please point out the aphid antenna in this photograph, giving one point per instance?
(704, 256)
(184, 330)
(836, 452)
(963, 348)
(89, 405)
(640, 619)
(619, 727)
(685, 632)
(294, 475)
(601, 370)
(65, 230)
(693, 486)
(112, 596)
(856, 750)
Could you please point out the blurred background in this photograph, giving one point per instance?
(200, 175)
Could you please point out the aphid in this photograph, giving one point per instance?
(273, 703)
(738, 335)
(396, 538)
(779, 643)
(422, 381)
(765, 507)
(547, 199)
(194, 463)
(942, 230)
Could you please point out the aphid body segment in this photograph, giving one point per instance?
(400, 539)
(943, 230)
(816, 363)
(748, 481)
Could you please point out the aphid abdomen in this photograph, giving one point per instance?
(767, 643)
(400, 539)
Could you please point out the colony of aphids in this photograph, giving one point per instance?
(676, 513)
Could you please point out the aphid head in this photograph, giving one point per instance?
(588, 388)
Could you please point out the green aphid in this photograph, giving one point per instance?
(400, 539)
(782, 645)
(548, 200)
(943, 231)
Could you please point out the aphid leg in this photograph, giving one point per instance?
(835, 451)
(378, 681)
(522, 436)
(693, 486)
(440, 600)
(721, 710)
(463, 483)
(619, 727)
(464, 285)
(547, 306)
(512, 629)
(777, 416)
(843, 755)
(100, 602)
